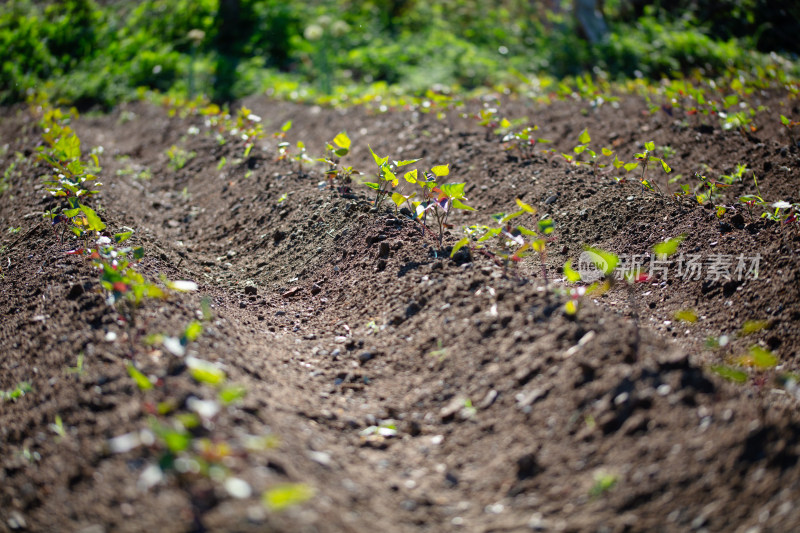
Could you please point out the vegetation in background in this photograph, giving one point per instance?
(99, 53)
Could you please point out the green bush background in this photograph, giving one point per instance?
(96, 53)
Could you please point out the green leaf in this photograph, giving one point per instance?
(753, 326)
(138, 253)
(607, 152)
(286, 126)
(686, 315)
(584, 136)
(399, 199)
(459, 245)
(405, 162)
(503, 218)
(453, 190)
(341, 152)
(441, 170)
(603, 483)
(142, 381)
(411, 176)
(69, 146)
(668, 247)
(617, 163)
(380, 161)
(388, 175)
(546, 226)
(571, 307)
(458, 204)
(188, 420)
(205, 372)
(630, 166)
(579, 149)
(762, 358)
(525, 207)
(572, 275)
(232, 394)
(650, 146)
(731, 100)
(286, 495)
(342, 141)
(175, 441)
(372, 185)
(76, 168)
(94, 221)
(785, 121)
(122, 237)
(603, 260)
(192, 331)
(489, 234)
(731, 374)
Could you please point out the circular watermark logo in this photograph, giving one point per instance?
(591, 266)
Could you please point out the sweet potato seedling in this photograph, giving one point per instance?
(386, 176)
(17, 392)
(248, 127)
(524, 141)
(285, 495)
(790, 125)
(783, 213)
(336, 149)
(487, 117)
(752, 200)
(178, 157)
(583, 148)
(645, 158)
(440, 199)
(514, 242)
(72, 175)
(601, 279)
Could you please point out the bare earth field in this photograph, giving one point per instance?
(491, 409)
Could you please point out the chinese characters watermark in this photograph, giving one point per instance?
(714, 267)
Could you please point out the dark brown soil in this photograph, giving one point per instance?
(336, 317)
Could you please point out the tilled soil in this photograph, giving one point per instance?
(336, 317)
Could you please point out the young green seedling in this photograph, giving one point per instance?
(538, 239)
(386, 176)
(248, 127)
(487, 117)
(711, 187)
(646, 158)
(16, 393)
(524, 141)
(441, 199)
(178, 157)
(338, 148)
(790, 124)
(302, 157)
(784, 212)
(515, 241)
(283, 146)
(72, 175)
